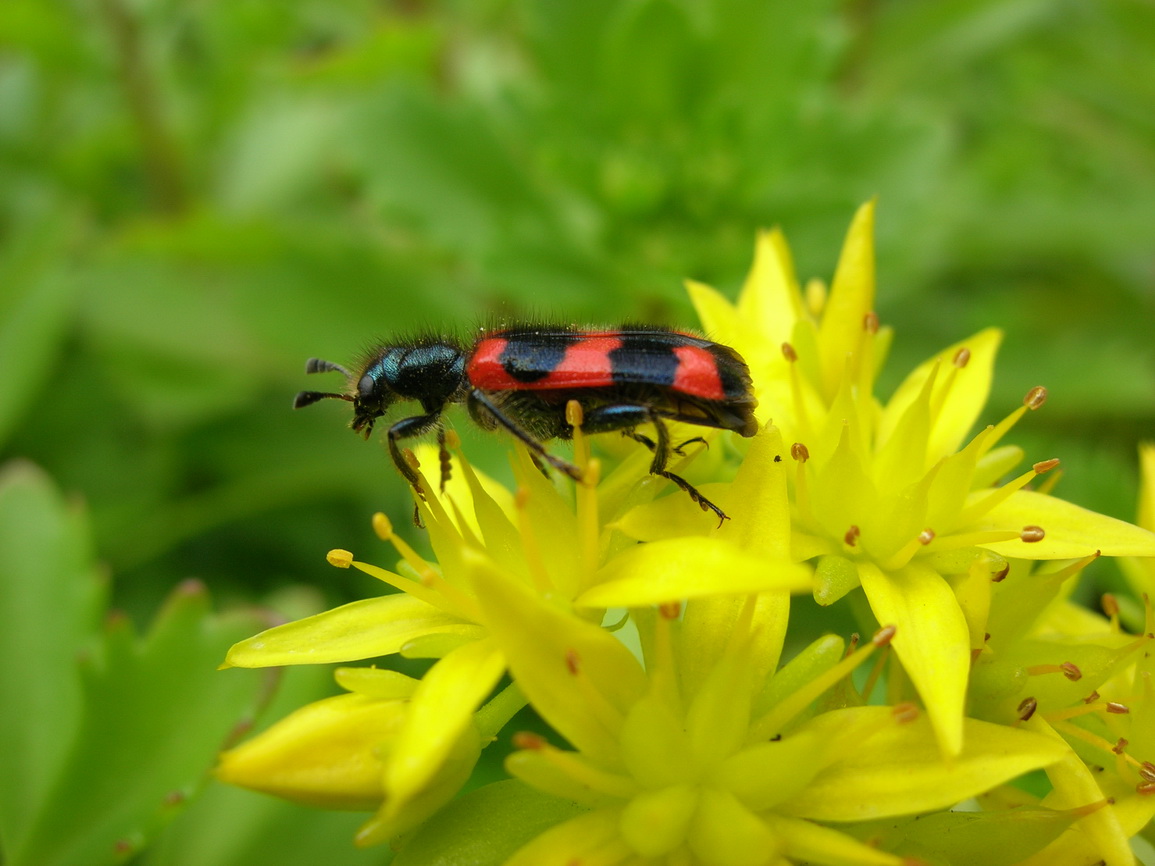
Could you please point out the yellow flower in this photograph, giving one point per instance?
(696, 755)
(883, 495)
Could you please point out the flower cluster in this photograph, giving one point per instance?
(688, 723)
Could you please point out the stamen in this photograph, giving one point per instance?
(573, 766)
(1001, 494)
(1032, 534)
(1068, 669)
(796, 392)
(801, 485)
(850, 539)
(870, 322)
(788, 353)
(429, 578)
(1035, 398)
(905, 713)
(1118, 709)
(1026, 709)
(944, 543)
(607, 714)
(782, 713)
(529, 545)
(339, 558)
(906, 553)
(962, 357)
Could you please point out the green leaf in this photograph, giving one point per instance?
(50, 597)
(485, 827)
(155, 714)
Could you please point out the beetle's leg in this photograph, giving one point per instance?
(477, 398)
(624, 417)
(405, 429)
(443, 457)
(677, 449)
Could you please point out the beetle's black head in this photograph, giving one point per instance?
(370, 399)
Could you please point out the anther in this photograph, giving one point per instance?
(1109, 604)
(1118, 709)
(799, 452)
(382, 527)
(926, 536)
(851, 537)
(1032, 534)
(870, 322)
(573, 662)
(1091, 698)
(1145, 788)
(1147, 771)
(1027, 707)
(1045, 465)
(528, 740)
(1120, 746)
(573, 413)
(1071, 671)
(962, 357)
(788, 353)
(1001, 575)
(339, 558)
(884, 635)
(904, 713)
(521, 498)
(1035, 398)
(670, 609)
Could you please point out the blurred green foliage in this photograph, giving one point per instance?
(196, 197)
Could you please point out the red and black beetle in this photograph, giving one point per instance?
(521, 379)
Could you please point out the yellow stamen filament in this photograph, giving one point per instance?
(577, 769)
(802, 420)
(972, 539)
(607, 714)
(780, 715)
(906, 553)
(1001, 494)
(1068, 669)
(801, 484)
(529, 545)
(661, 665)
(466, 606)
(1075, 732)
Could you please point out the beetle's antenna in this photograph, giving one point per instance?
(308, 398)
(316, 365)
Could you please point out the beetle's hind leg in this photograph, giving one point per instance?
(538, 452)
(649, 443)
(625, 417)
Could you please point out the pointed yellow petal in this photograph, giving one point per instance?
(326, 754)
(726, 833)
(760, 507)
(1074, 784)
(899, 769)
(679, 568)
(1146, 517)
(807, 842)
(932, 640)
(962, 391)
(578, 676)
(359, 630)
(439, 712)
(1071, 532)
(770, 301)
(851, 298)
(591, 838)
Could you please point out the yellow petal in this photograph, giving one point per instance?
(326, 754)
(580, 678)
(807, 842)
(590, 838)
(1071, 532)
(770, 301)
(969, 387)
(932, 640)
(899, 769)
(359, 630)
(679, 568)
(726, 833)
(440, 710)
(851, 298)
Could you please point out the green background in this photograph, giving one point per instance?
(196, 197)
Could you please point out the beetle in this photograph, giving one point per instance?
(521, 378)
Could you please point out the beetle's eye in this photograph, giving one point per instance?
(366, 387)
